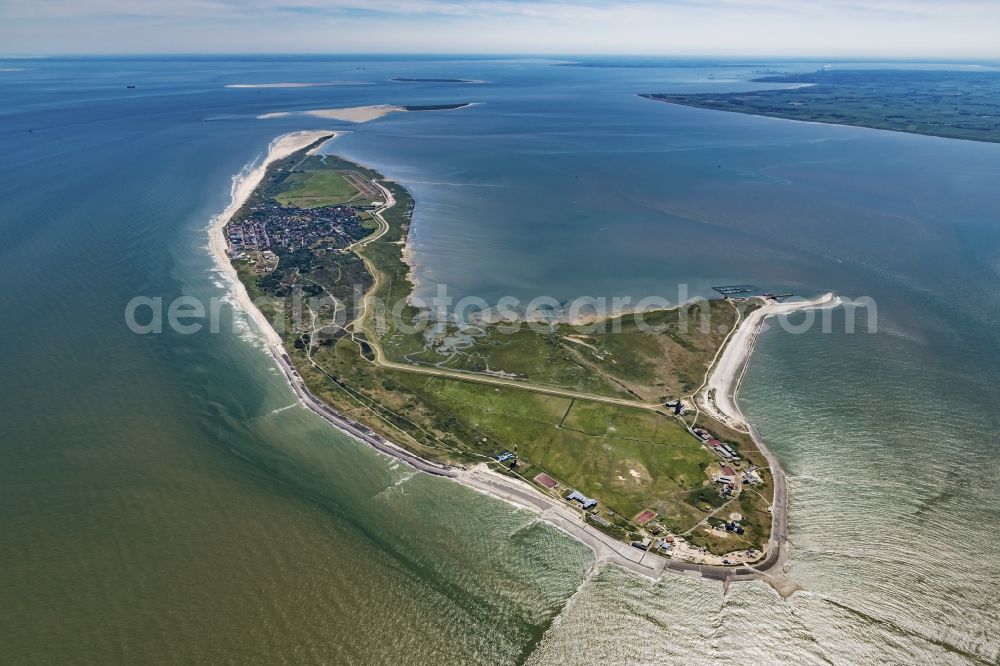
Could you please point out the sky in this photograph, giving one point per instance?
(859, 28)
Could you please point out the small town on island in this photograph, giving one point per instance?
(623, 427)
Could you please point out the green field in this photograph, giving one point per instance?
(313, 189)
(629, 458)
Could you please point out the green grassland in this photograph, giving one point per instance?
(660, 361)
(629, 458)
(312, 189)
(650, 462)
(953, 104)
(645, 460)
(541, 358)
(313, 181)
(665, 358)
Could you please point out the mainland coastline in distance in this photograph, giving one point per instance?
(948, 104)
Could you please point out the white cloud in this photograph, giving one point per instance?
(827, 27)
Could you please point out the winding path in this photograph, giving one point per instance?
(359, 323)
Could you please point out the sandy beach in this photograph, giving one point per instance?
(353, 114)
(719, 399)
(727, 372)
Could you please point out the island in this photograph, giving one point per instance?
(404, 79)
(951, 104)
(625, 436)
(436, 107)
(364, 114)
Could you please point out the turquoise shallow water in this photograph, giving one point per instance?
(162, 504)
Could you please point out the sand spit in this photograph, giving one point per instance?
(359, 114)
(718, 397)
(295, 84)
(353, 114)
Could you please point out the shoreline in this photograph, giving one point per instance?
(727, 372)
(718, 398)
(825, 123)
(731, 365)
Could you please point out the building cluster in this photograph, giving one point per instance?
(732, 469)
(721, 449)
(752, 477)
(271, 226)
(248, 236)
(734, 527)
(726, 480)
(662, 546)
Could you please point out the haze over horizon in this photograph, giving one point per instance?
(829, 28)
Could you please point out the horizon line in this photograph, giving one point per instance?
(497, 54)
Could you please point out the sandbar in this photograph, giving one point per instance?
(297, 84)
(353, 114)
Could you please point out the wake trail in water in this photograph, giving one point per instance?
(396, 486)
